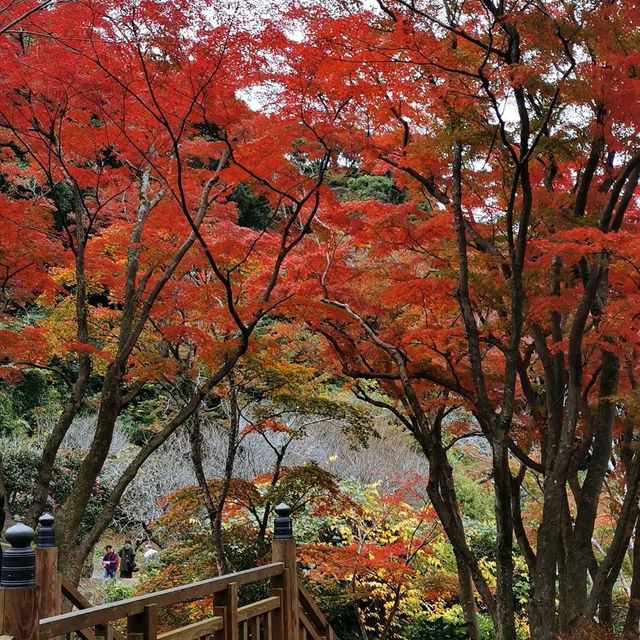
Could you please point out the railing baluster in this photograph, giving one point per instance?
(228, 609)
(268, 626)
(135, 626)
(279, 615)
(143, 626)
(255, 628)
(104, 632)
(150, 621)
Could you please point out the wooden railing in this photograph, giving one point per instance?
(77, 600)
(313, 624)
(141, 612)
(288, 613)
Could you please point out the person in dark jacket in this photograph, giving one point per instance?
(127, 560)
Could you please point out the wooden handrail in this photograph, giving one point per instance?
(310, 628)
(308, 605)
(195, 630)
(80, 602)
(208, 626)
(103, 614)
(72, 594)
(258, 608)
(315, 617)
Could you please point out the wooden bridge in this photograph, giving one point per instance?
(32, 592)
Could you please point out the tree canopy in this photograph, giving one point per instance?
(439, 198)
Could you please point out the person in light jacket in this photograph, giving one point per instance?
(150, 555)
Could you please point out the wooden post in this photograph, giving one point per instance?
(143, 626)
(150, 622)
(19, 597)
(277, 619)
(47, 576)
(284, 550)
(227, 607)
(104, 632)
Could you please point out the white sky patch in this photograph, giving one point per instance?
(262, 97)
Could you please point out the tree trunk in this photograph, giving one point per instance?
(195, 440)
(78, 391)
(505, 629)
(391, 616)
(69, 517)
(562, 583)
(605, 605)
(134, 319)
(441, 491)
(579, 550)
(48, 458)
(467, 598)
(542, 609)
(632, 621)
(232, 450)
(563, 397)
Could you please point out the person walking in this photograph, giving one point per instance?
(150, 555)
(127, 560)
(110, 561)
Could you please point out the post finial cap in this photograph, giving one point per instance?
(283, 510)
(282, 527)
(20, 535)
(46, 535)
(19, 561)
(46, 520)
